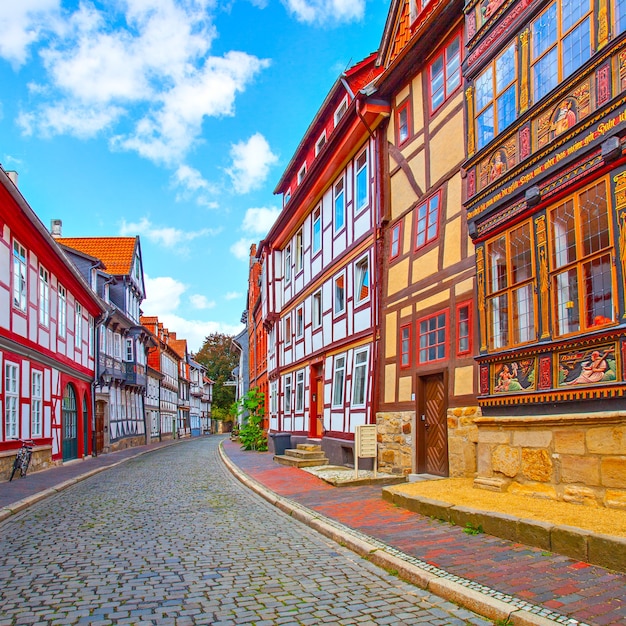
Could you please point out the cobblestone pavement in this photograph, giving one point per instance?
(172, 538)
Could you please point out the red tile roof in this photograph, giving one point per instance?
(115, 252)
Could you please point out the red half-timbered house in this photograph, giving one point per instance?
(47, 353)
(319, 300)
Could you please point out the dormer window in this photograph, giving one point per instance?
(287, 197)
(319, 144)
(301, 173)
(416, 7)
(341, 110)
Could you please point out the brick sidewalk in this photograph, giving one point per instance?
(562, 586)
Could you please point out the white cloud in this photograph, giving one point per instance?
(167, 236)
(191, 184)
(258, 221)
(201, 302)
(241, 249)
(163, 295)
(21, 24)
(105, 68)
(326, 11)
(252, 160)
(233, 295)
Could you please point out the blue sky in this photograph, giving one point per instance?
(173, 120)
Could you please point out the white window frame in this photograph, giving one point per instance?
(91, 338)
(300, 322)
(361, 276)
(62, 313)
(339, 381)
(340, 111)
(339, 306)
(129, 352)
(361, 177)
(288, 264)
(20, 276)
(320, 143)
(44, 296)
(339, 201)
(316, 231)
(11, 400)
(288, 392)
(359, 377)
(274, 398)
(117, 346)
(301, 173)
(317, 311)
(299, 250)
(299, 391)
(36, 403)
(78, 325)
(288, 330)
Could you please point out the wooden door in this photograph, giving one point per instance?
(99, 426)
(316, 405)
(432, 448)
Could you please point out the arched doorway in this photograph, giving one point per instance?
(70, 423)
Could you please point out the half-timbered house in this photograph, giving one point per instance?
(319, 303)
(47, 353)
(426, 369)
(545, 194)
(116, 267)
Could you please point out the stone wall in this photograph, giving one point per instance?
(41, 459)
(396, 442)
(574, 458)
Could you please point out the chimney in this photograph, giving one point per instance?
(12, 176)
(56, 227)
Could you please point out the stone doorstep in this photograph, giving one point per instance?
(293, 461)
(305, 454)
(576, 543)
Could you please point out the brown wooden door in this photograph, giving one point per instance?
(432, 448)
(99, 427)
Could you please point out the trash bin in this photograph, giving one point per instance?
(282, 442)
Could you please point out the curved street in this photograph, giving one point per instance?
(172, 538)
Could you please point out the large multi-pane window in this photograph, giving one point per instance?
(11, 400)
(427, 224)
(433, 337)
(19, 276)
(445, 73)
(581, 266)
(510, 288)
(339, 381)
(35, 404)
(316, 243)
(62, 314)
(496, 105)
(359, 378)
(561, 43)
(362, 280)
(44, 296)
(339, 204)
(361, 181)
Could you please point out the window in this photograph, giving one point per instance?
(274, 398)
(495, 97)
(359, 378)
(44, 296)
(78, 326)
(394, 248)
(581, 268)
(317, 309)
(510, 288)
(301, 173)
(299, 251)
(620, 16)
(340, 295)
(402, 121)
(361, 181)
(427, 226)
(416, 6)
(91, 336)
(339, 381)
(463, 328)
(288, 394)
(11, 401)
(288, 331)
(300, 391)
(445, 73)
(433, 338)
(35, 404)
(362, 280)
(341, 110)
(405, 346)
(299, 322)
(339, 204)
(19, 277)
(317, 230)
(319, 144)
(117, 346)
(287, 197)
(62, 317)
(130, 350)
(288, 264)
(561, 43)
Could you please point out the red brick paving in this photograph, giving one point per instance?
(581, 591)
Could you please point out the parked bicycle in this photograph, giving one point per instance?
(23, 457)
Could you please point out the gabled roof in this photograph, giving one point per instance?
(117, 253)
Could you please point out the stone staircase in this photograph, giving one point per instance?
(304, 455)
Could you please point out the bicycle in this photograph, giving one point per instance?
(23, 457)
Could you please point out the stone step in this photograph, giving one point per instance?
(310, 447)
(293, 461)
(305, 454)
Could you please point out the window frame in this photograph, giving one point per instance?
(300, 322)
(357, 368)
(427, 223)
(408, 341)
(445, 342)
(299, 251)
(468, 304)
(288, 392)
(405, 107)
(301, 173)
(443, 54)
(362, 280)
(320, 143)
(341, 194)
(397, 226)
(361, 182)
(316, 230)
(287, 261)
(317, 312)
(339, 386)
(36, 403)
(299, 408)
(340, 111)
(78, 325)
(19, 277)
(339, 278)
(11, 400)
(44, 296)
(62, 311)
(287, 329)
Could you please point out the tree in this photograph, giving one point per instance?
(220, 361)
(251, 434)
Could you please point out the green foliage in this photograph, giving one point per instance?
(251, 433)
(470, 529)
(220, 359)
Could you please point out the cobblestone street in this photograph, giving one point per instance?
(172, 538)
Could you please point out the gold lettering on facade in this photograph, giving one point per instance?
(471, 141)
(524, 63)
